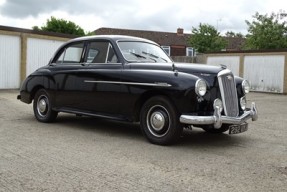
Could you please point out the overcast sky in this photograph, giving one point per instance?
(155, 15)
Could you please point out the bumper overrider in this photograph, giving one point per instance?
(217, 119)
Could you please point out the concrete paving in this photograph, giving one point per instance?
(89, 154)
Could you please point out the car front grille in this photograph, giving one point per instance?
(228, 93)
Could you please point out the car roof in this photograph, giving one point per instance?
(112, 38)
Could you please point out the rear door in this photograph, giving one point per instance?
(64, 70)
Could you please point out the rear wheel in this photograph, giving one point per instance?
(160, 121)
(42, 107)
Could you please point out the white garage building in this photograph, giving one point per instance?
(22, 51)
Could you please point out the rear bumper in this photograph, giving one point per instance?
(24, 97)
(217, 119)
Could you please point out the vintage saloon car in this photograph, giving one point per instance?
(133, 79)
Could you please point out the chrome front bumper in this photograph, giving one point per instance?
(217, 119)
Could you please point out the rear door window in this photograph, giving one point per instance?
(71, 54)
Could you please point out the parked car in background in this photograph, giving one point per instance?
(132, 79)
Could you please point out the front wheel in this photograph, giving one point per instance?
(159, 121)
(42, 107)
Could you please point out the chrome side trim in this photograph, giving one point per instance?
(159, 84)
(217, 120)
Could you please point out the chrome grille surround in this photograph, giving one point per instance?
(228, 92)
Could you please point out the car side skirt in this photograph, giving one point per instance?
(91, 114)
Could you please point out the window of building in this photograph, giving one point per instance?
(190, 52)
(166, 49)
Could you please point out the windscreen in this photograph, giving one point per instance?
(134, 51)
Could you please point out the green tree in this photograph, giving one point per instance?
(266, 32)
(61, 26)
(206, 39)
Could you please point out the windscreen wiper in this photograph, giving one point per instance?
(155, 56)
(141, 56)
(137, 55)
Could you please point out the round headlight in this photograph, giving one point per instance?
(243, 103)
(218, 103)
(245, 86)
(200, 87)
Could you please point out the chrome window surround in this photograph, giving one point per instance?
(228, 92)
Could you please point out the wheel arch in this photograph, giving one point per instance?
(146, 96)
(34, 91)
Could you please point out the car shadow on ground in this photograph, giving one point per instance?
(198, 137)
(195, 138)
(99, 125)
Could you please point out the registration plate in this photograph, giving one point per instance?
(235, 129)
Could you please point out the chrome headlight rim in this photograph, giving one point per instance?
(200, 87)
(218, 102)
(245, 86)
(243, 103)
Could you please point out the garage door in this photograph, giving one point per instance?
(266, 73)
(39, 52)
(231, 62)
(9, 62)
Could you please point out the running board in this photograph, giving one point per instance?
(76, 112)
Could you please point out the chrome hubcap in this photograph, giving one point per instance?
(42, 105)
(157, 121)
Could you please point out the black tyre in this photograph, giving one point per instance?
(211, 129)
(159, 121)
(42, 107)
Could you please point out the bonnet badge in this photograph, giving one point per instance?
(229, 77)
